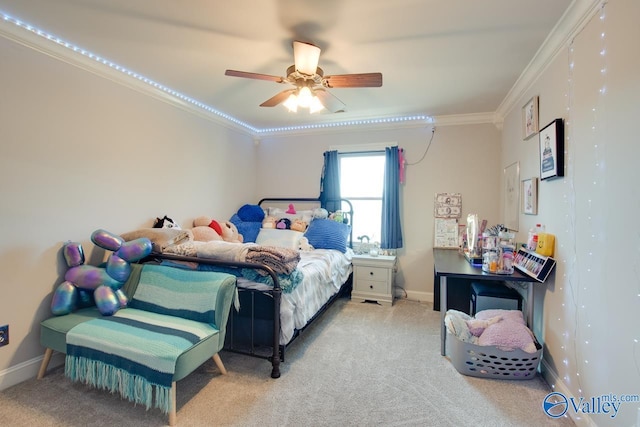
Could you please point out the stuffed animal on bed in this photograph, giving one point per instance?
(207, 229)
(298, 225)
(269, 222)
(304, 245)
(165, 222)
(230, 232)
(283, 224)
(203, 232)
(320, 213)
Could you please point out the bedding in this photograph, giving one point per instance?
(281, 260)
(280, 238)
(324, 271)
(161, 238)
(282, 288)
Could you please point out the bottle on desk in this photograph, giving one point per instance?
(546, 244)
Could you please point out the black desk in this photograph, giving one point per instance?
(448, 263)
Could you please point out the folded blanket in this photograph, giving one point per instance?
(161, 238)
(281, 260)
(133, 352)
(223, 251)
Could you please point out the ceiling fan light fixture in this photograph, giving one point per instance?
(306, 57)
(316, 105)
(292, 103)
(304, 97)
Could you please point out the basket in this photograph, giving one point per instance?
(491, 362)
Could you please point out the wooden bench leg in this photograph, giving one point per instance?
(172, 409)
(45, 363)
(216, 358)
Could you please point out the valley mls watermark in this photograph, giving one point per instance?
(555, 404)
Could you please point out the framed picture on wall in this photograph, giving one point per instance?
(530, 118)
(530, 196)
(551, 139)
(512, 196)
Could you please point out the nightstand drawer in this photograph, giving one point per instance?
(373, 286)
(372, 273)
(373, 278)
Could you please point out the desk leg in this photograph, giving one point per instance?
(443, 312)
(530, 305)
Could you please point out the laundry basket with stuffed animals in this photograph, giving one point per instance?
(495, 344)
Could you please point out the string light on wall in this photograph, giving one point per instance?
(596, 202)
(308, 102)
(570, 247)
(579, 288)
(417, 118)
(104, 61)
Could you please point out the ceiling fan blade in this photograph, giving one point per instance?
(329, 101)
(278, 98)
(306, 57)
(246, 75)
(354, 80)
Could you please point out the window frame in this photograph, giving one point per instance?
(367, 153)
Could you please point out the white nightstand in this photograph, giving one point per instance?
(373, 278)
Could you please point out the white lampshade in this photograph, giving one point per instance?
(292, 103)
(304, 97)
(316, 105)
(306, 57)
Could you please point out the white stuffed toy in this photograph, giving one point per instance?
(304, 244)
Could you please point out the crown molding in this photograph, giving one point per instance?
(572, 21)
(467, 119)
(570, 24)
(47, 44)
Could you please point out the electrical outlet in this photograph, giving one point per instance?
(4, 335)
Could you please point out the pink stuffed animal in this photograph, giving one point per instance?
(505, 329)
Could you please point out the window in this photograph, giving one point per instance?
(361, 182)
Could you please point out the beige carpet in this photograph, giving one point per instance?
(361, 364)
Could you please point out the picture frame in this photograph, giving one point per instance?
(530, 123)
(551, 140)
(530, 196)
(511, 211)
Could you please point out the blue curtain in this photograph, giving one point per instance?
(330, 182)
(391, 227)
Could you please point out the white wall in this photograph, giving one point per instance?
(588, 312)
(461, 159)
(79, 152)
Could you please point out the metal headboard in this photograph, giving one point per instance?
(348, 213)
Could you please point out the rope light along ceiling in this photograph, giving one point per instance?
(24, 26)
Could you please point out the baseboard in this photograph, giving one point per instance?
(27, 370)
(553, 379)
(414, 295)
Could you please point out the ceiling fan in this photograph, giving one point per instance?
(309, 82)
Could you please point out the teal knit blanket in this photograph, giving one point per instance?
(133, 352)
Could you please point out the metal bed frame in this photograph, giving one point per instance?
(254, 330)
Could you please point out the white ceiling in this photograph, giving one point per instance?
(437, 57)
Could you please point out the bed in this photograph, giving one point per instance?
(276, 303)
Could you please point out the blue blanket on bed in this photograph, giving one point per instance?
(133, 352)
(288, 282)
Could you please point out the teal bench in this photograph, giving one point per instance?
(53, 331)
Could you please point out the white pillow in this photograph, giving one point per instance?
(280, 238)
